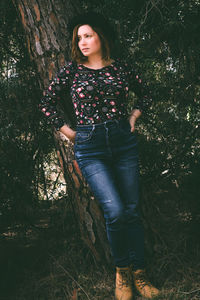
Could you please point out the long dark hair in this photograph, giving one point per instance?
(106, 45)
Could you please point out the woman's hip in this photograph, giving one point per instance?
(105, 140)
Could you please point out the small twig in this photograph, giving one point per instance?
(70, 276)
(65, 293)
(151, 4)
(154, 5)
(188, 293)
(55, 182)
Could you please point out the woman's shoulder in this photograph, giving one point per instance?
(67, 69)
(70, 65)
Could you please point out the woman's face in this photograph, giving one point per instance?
(88, 41)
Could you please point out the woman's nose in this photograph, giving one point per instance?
(82, 41)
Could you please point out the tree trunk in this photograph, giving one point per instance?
(47, 39)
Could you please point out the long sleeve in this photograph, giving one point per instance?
(140, 88)
(52, 96)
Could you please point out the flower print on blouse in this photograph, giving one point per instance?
(97, 95)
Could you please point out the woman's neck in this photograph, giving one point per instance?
(97, 62)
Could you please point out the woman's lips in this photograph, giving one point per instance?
(85, 49)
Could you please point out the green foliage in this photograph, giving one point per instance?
(24, 138)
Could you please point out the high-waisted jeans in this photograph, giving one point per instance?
(108, 158)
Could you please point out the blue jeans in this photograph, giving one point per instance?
(108, 158)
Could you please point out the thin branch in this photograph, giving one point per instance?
(188, 293)
(156, 7)
(149, 6)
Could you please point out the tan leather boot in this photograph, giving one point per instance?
(143, 286)
(123, 290)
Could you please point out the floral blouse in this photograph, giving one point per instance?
(97, 95)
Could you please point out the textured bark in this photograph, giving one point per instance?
(47, 38)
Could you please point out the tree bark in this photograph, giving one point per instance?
(47, 40)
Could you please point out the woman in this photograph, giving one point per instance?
(104, 141)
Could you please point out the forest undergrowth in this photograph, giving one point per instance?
(48, 260)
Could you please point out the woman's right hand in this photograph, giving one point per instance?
(68, 132)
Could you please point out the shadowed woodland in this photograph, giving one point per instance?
(49, 248)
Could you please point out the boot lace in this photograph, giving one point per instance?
(125, 279)
(141, 280)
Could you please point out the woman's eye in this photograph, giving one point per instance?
(86, 36)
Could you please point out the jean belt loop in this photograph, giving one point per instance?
(93, 127)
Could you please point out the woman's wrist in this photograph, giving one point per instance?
(133, 116)
(68, 132)
(136, 113)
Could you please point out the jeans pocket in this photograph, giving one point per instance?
(125, 127)
(83, 136)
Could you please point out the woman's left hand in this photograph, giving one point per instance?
(133, 117)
